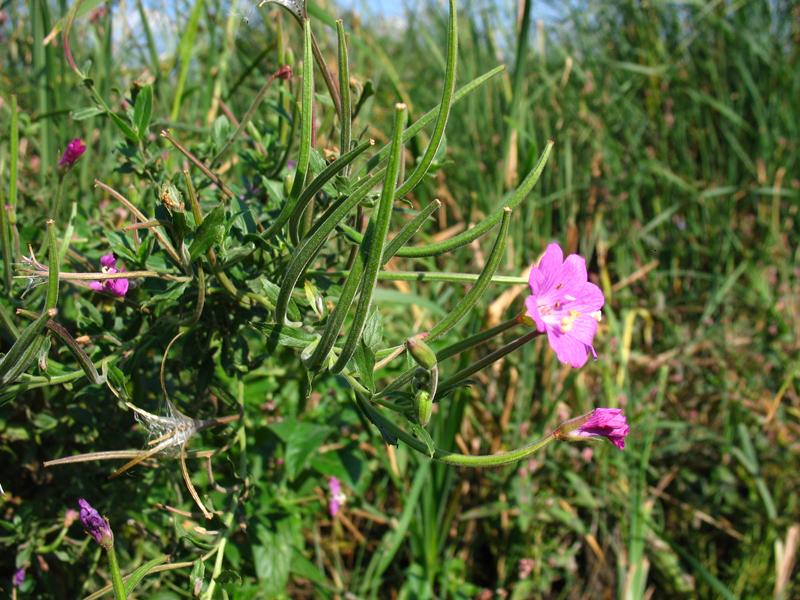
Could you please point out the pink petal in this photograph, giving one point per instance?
(573, 274)
(118, 287)
(588, 299)
(583, 329)
(569, 350)
(532, 310)
(108, 261)
(550, 265)
(96, 286)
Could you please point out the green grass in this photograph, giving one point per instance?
(674, 172)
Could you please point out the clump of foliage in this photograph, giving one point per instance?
(267, 348)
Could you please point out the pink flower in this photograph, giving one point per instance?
(72, 153)
(601, 422)
(117, 287)
(337, 497)
(565, 304)
(19, 577)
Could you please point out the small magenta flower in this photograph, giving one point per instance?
(117, 287)
(95, 525)
(19, 577)
(337, 497)
(601, 422)
(72, 153)
(565, 304)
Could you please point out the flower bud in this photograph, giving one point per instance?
(601, 422)
(95, 525)
(423, 402)
(72, 153)
(171, 198)
(420, 351)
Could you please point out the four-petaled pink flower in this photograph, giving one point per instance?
(95, 525)
(72, 153)
(118, 287)
(19, 577)
(601, 422)
(565, 304)
(337, 497)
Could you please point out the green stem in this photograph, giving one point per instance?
(428, 276)
(454, 458)
(116, 576)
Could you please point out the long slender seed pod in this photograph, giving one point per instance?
(377, 230)
(306, 116)
(309, 249)
(324, 177)
(344, 92)
(335, 321)
(474, 294)
(53, 267)
(453, 382)
(429, 116)
(23, 352)
(481, 228)
(444, 108)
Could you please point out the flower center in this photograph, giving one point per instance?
(568, 322)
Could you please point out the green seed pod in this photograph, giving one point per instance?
(424, 406)
(420, 351)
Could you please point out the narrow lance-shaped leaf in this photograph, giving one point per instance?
(336, 319)
(315, 240)
(377, 231)
(471, 297)
(143, 110)
(481, 228)
(444, 108)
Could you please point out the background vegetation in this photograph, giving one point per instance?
(675, 172)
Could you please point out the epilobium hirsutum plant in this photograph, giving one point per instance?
(280, 270)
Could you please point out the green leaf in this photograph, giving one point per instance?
(301, 440)
(287, 336)
(474, 294)
(81, 114)
(209, 233)
(422, 434)
(302, 567)
(143, 110)
(141, 572)
(364, 361)
(272, 558)
(124, 128)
